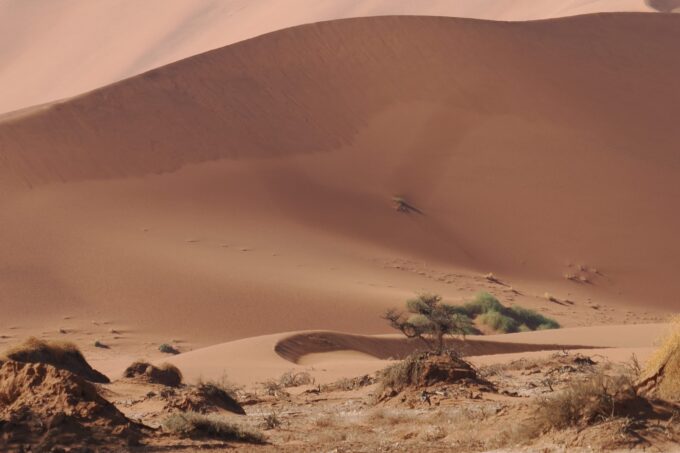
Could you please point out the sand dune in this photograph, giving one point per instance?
(294, 348)
(333, 355)
(44, 59)
(533, 150)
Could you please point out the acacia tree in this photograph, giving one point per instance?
(429, 320)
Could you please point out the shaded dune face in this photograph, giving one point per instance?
(524, 145)
(664, 6)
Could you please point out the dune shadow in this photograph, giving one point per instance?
(664, 6)
(296, 346)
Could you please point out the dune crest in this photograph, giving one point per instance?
(47, 61)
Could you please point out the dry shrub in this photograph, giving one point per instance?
(164, 374)
(60, 354)
(194, 425)
(434, 433)
(661, 376)
(583, 403)
(274, 388)
(9, 392)
(347, 384)
(168, 349)
(221, 394)
(388, 417)
(293, 379)
(326, 421)
(271, 420)
(423, 369)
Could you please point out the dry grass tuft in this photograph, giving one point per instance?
(583, 403)
(9, 392)
(165, 374)
(662, 373)
(193, 425)
(295, 379)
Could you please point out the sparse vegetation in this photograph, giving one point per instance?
(429, 320)
(584, 402)
(219, 387)
(295, 379)
(271, 420)
(99, 344)
(168, 349)
(192, 424)
(274, 388)
(165, 374)
(221, 394)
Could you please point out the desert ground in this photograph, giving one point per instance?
(231, 194)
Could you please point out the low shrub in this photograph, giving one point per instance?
(192, 424)
(583, 403)
(486, 309)
(164, 374)
(168, 349)
(293, 379)
(271, 421)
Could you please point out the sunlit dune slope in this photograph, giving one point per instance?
(249, 189)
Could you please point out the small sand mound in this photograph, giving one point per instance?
(164, 374)
(424, 370)
(46, 408)
(205, 398)
(661, 377)
(62, 355)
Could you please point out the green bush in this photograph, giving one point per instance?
(498, 321)
(532, 319)
(489, 311)
(482, 303)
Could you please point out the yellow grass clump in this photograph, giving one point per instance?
(662, 372)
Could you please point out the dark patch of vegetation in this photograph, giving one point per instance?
(489, 311)
(164, 374)
(429, 320)
(196, 425)
(168, 349)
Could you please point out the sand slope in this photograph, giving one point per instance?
(60, 48)
(530, 149)
(333, 355)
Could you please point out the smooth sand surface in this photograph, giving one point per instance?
(59, 48)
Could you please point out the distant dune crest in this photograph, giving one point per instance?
(61, 48)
